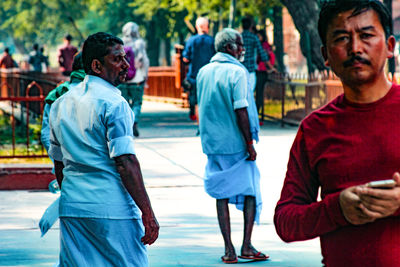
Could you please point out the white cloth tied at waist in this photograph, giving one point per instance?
(233, 177)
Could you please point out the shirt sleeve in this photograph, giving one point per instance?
(60, 57)
(298, 214)
(187, 52)
(55, 148)
(240, 91)
(261, 52)
(119, 123)
(45, 131)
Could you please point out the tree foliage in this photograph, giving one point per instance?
(46, 21)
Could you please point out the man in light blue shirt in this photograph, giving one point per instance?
(102, 189)
(228, 123)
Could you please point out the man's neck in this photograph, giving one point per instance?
(369, 92)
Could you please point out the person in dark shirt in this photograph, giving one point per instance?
(198, 51)
(253, 48)
(66, 55)
(6, 61)
(36, 58)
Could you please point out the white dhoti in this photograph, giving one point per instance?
(233, 177)
(101, 242)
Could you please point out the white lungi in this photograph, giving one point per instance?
(101, 242)
(232, 176)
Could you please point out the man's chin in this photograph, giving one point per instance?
(120, 80)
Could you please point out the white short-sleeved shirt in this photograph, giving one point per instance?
(221, 89)
(90, 125)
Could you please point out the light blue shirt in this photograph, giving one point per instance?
(45, 132)
(89, 126)
(221, 89)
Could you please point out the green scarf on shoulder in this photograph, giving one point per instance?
(75, 77)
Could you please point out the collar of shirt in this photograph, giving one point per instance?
(95, 79)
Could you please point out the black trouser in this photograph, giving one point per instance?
(262, 78)
(192, 98)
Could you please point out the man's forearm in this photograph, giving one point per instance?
(244, 123)
(296, 220)
(129, 168)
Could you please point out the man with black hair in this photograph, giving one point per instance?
(66, 55)
(36, 58)
(104, 204)
(252, 46)
(348, 143)
(6, 61)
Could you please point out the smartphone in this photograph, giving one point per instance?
(384, 184)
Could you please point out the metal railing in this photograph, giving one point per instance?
(22, 100)
(290, 98)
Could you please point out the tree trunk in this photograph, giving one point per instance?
(153, 44)
(305, 17)
(232, 11)
(168, 51)
(278, 38)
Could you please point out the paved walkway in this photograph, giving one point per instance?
(172, 164)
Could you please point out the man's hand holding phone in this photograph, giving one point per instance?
(380, 199)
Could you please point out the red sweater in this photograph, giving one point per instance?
(341, 145)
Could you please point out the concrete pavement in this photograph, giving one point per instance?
(172, 164)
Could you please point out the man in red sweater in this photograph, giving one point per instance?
(349, 142)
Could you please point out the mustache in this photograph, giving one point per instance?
(351, 61)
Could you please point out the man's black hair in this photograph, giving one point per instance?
(7, 50)
(246, 23)
(77, 64)
(97, 46)
(35, 46)
(263, 35)
(330, 9)
(68, 37)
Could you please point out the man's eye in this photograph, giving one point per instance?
(341, 38)
(366, 35)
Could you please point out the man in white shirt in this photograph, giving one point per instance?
(102, 188)
(228, 123)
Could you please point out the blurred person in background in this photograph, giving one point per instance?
(6, 61)
(198, 51)
(36, 59)
(135, 86)
(65, 55)
(261, 72)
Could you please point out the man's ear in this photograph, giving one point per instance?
(96, 66)
(391, 44)
(325, 55)
(228, 49)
